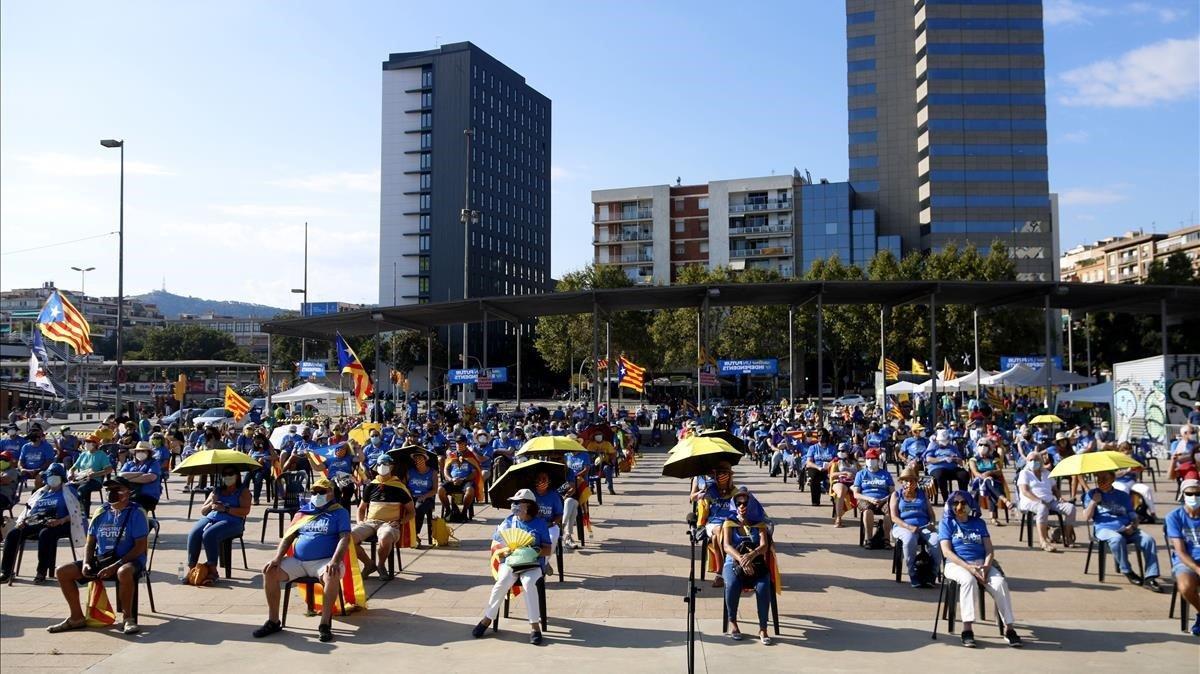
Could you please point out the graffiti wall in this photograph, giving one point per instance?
(1183, 387)
(1151, 399)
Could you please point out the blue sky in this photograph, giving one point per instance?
(244, 119)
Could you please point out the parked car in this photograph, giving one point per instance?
(850, 400)
(187, 413)
(219, 416)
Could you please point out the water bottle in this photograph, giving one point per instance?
(181, 572)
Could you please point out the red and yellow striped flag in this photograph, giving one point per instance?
(235, 403)
(630, 375)
(60, 321)
(890, 369)
(354, 591)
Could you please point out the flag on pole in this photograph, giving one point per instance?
(350, 364)
(37, 376)
(60, 321)
(262, 376)
(630, 375)
(602, 364)
(947, 371)
(705, 358)
(38, 347)
(890, 369)
(235, 403)
(918, 367)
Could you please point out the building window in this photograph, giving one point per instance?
(862, 113)
(869, 161)
(704, 203)
(861, 89)
(704, 226)
(426, 160)
(679, 249)
(424, 222)
(860, 17)
(427, 77)
(426, 181)
(679, 226)
(426, 140)
(860, 66)
(864, 137)
(423, 285)
(423, 243)
(427, 100)
(860, 41)
(426, 120)
(423, 264)
(425, 202)
(704, 247)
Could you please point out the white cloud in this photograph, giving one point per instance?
(74, 166)
(269, 211)
(1067, 12)
(1164, 14)
(559, 173)
(1078, 136)
(1090, 196)
(1160, 72)
(333, 182)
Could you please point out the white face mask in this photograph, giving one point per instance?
(1192, 502)
(141, 456)
(229, 480)
(385, 469)
(319, 500)
(55, 482)
(873, 464)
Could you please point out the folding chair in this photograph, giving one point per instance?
(394, 560)
(21, 554)
(309, 593)
(541, 590)
(154, 528)
(1183, 605)
(948, 603)
(286, 504)
(774, 608)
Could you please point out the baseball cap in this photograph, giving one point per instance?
(1187, 484)
(523, 495)
(321, 483)
(872, 453)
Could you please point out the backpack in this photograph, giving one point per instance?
(198, 576)
(923, 571)
(442, 537)
(877, 541)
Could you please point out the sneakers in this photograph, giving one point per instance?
(270, 627)
(1196, 626)
(1012, 638)
(1152, 584)
(479, 630)
(325, 633)
(131, 627)
(1133, 578)
(570, 544)
(535, 637)
(968, 639)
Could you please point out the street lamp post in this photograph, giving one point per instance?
(83, 279)
(304, 293)
(467, 217)
(82, 293)
(110, 143)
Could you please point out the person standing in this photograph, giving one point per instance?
(1183, 533)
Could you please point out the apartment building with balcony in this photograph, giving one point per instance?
(19, 309)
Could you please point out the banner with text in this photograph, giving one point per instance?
(760, 366)
(472, 375)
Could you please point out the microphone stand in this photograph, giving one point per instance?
(692, 591)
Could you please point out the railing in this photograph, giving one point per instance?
(769, 205)
(761, 229)
(632, 214)
(636, 257)
(645, 235)
(765, 251)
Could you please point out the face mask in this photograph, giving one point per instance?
(319, 500)
(4, 465)
(141, 456)
(156, 443)
(114, 496)
(873, 464)
(229, 480)
(1035, 465)
(89, 447)
(599, 438)
(1191, 501)
(385, 470)
(54, 481)
(375, 440)
(843, 455)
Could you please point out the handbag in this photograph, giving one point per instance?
(523, 559)
(759, 563)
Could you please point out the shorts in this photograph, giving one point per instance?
(1180, 568)
(368, 528)
(452, 488)
(295, 568)
(84, 580)
(876, 508)
(711, 528)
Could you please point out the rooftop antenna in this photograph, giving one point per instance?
(678, 181)
(437, 41)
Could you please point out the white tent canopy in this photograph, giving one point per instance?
(1057, 378)
(966, 382)
(943, 386)
(1100, 393)
(1008, 377)
(903, 387)
(305, 391)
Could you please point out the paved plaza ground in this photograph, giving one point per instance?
(620, 608)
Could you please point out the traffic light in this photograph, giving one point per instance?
(180, 387)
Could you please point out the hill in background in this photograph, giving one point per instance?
(172, 305)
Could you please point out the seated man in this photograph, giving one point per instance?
(816, 465)
(1116, 524)
(458, 477)
(1037, 493)
(1183, 533)
(608, 457)
(944, 463)
(321, 534)
(52, 512)
(9, 477)
(524, 517)
(144, 471)
(422, 482)
(385, 510)
(914, 446)
(36, 456)
(115, 549)
(872, 487)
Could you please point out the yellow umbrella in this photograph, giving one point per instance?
(1093, 462)
(212, 460)
(698, 455)
(550, 443)
(1046, 419)
(362, 432)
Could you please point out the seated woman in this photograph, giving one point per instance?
(1127, 481)
(52, 512)
(551, 506)
(524, 517)
(913, 524)
(970, 562)
(262, 452)
(715, 507)
(422, 482)
(1183, 534)
(747, 547)
(944, 463)
(144, 471)
(222, 517)
(841, 479)
(987, 479)
(457, 478)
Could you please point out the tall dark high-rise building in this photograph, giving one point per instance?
(430, 100)
(947, 124)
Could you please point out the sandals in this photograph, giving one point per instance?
(67, 626)
(736, 636)
(764, 640)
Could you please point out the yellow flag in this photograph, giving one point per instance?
(918, 367)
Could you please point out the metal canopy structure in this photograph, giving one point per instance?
(1182, 301)
(1075, 297)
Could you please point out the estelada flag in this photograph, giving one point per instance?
(350, 364)
(890, 369)
(947, 371)
(235, 403)
(60, 321)
(99, 612)
(354, 592)
(630, 375)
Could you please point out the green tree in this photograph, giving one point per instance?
(561, 339)
(190, 342)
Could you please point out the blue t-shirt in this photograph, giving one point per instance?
(419, 484)
(914, 447)
(13, 445)
(69, 445)
(966, 538)
(461, 470)
(106, 529)
(821, 455)
(720, 507)
(244, 443)
(935, 450)
(874, 440)
(231, 501)
(50, 504)
(876, 484)
(914, 512)
(318, 537)
(485, 456)
(339, 466)
(152, 466)
(550, 505)
(1114, 512)
(536, 526)
(1179, 524)
(738, 535)
(36, 457)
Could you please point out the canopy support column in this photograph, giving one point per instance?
(608, 367)
(267, 411)
(595, 359)
(483, 362)
(376, 412)
(791, 355)
(428, 373)
(933, 399)
(1162, 308)
(520, 329)
(883, 361)
(978, 367)
(1048, 366)
(820, 358)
